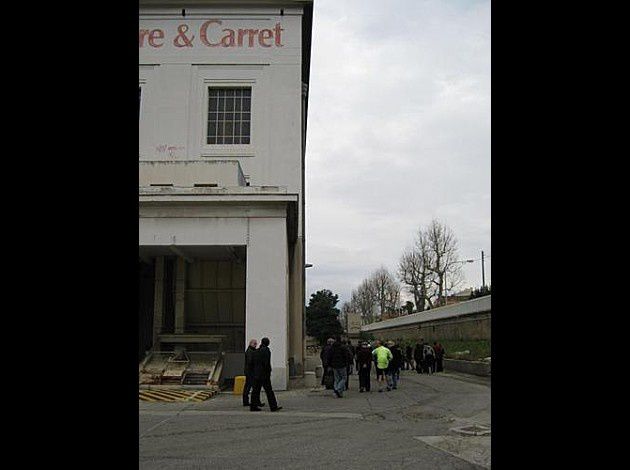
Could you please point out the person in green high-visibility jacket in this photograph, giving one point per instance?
(382, 356)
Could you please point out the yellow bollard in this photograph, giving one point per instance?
(239, 384)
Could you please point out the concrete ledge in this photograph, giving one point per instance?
(468, 367)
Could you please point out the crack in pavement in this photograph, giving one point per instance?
(238, 428)
(164, 421)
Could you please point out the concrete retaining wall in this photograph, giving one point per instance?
(467, 367)
(469, 320)
(471, 327)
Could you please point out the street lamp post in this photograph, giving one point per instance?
(445, 288)
(483, 272)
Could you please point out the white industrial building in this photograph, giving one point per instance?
(222, 126)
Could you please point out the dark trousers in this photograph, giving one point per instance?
(249, 383)
(430, 364)
(439, 365)
(265, 383)
(249, 386)
(348, 374)
(364, 378)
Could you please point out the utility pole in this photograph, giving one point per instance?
(483, 272)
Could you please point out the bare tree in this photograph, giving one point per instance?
(427, 276)
(442, 245)
(346, 309)
(454, 278)
(409, 274)
(363, 300)
(393, 297)
(386, 290)
(414, 270)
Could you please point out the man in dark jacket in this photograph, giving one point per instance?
(418, 356)
(339, 360)
(395, 364)
(350, 350)
(249, 371)
(364, 366)
(439, 356)
(262, 377)
(325, 357)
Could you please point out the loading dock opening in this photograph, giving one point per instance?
(192, 299)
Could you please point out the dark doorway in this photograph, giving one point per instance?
(146, 286)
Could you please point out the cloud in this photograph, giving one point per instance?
(399, 133)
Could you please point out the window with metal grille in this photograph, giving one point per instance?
(229, 115)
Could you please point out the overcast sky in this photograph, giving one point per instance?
(398, 134)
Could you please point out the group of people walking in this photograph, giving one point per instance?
(258, 376)
(424, 358)
(339, 358)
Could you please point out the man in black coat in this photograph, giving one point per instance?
(395, 364)
(439, 356)
(339, 359)
(351, 351)
(364, 365)
(249, 372)
(418, 356)
(327, 369)
(262, 377)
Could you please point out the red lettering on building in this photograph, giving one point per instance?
(252, 34)
(156, 34)
(241, 33)
(231, 37)
(228, 39)
(203, 32)
(152, 35)
(278, 38)
(182, 39)
(263, 36)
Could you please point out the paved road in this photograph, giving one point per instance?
(404, 428)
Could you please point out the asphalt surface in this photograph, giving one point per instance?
(406, 428)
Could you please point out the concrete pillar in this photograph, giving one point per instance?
(266, 292)
(158, 299)
(180, 287)
(296, 310)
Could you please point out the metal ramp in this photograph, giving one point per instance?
(176, 366)
(187, 368)
(202, 368)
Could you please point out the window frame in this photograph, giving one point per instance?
(141, 84)
(213, 150)
(249, 135)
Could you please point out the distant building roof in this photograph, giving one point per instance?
(463, 293)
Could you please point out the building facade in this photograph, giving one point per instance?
(223, 94)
